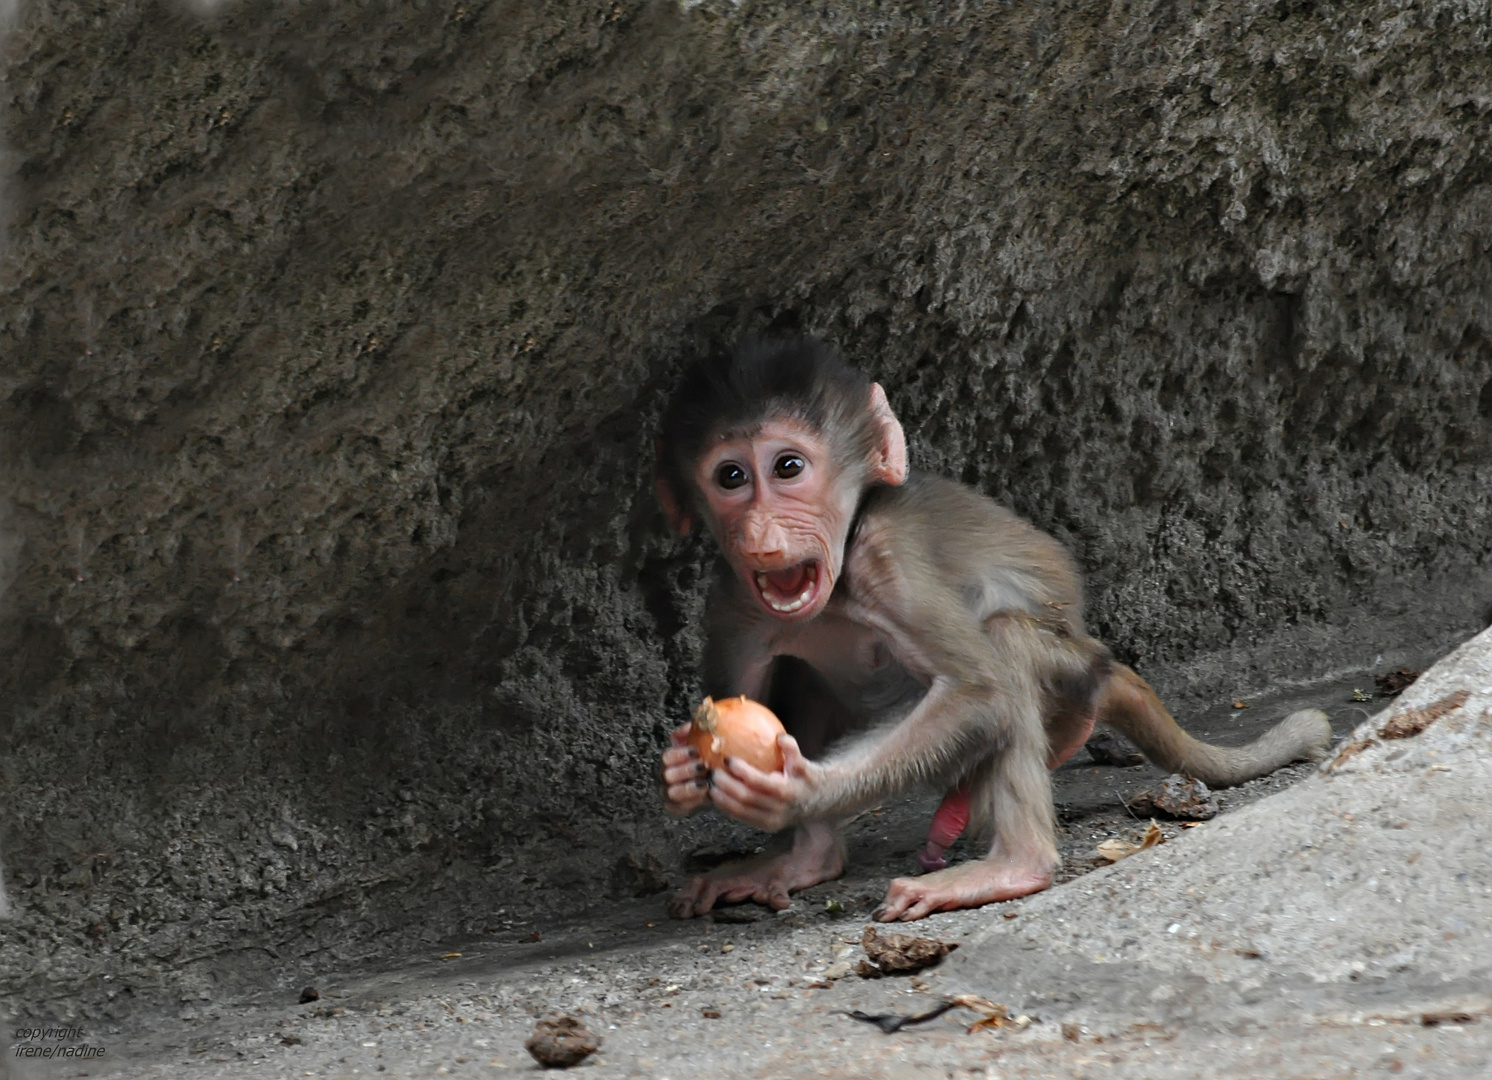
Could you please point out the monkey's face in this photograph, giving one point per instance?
(779, 506)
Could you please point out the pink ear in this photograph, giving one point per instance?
(890, 466)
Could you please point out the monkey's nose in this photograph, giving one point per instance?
(764, 542)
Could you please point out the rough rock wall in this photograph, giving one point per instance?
(333, 334)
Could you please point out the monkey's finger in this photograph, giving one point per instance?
(681, 799)
(682, 904)
(679, 736)
(919, 910)
(768, 819)
(684, 772)
(889, 911)
(691, 791)
(730, 803)
(774, 783)
(755, 891)
(905, 901)
(793, 761)
(715, 891)
(742, 790)
(735, 895)
(898, 898)
(774, 895)
(710, 899)
(677, 755)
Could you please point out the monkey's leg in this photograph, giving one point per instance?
(1078, 669)
(1068, 725)
(812, 853)
(1067, 732)
(1013, 792)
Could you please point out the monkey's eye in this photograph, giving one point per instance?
(788, 466)
(730, 476)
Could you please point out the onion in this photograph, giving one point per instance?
(737, 727)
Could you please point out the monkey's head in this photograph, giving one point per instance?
(772, 445)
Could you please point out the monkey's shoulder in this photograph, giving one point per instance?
(939, 529)
(933, 510)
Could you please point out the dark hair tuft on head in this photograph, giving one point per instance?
(760, 378)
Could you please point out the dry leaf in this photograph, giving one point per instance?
(992, 1013)
(1411, 723)
(1240, 704)
(1348, 752)
(981, 1005)
(1114, 850)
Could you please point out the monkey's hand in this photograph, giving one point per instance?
(770, 801)
(686, 784)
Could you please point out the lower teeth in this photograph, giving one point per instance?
(786, 606)
(791, 605)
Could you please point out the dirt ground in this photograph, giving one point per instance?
(752, 993)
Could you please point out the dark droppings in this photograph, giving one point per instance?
(560, 1042)
(1111, 748)
(1395, 682)
(899, 954)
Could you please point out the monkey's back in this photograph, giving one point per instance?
(996, 560)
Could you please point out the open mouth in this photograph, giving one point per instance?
(789, 589)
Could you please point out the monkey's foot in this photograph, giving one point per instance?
(968, 885)
(816, 855)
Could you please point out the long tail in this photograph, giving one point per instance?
(1131, 707)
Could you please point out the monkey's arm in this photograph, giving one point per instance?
(952, 727)
(983, 699)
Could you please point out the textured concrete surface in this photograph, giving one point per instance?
(1364, 890)
(332, 333)
(1340, 928)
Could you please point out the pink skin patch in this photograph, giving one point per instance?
(948, 825)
